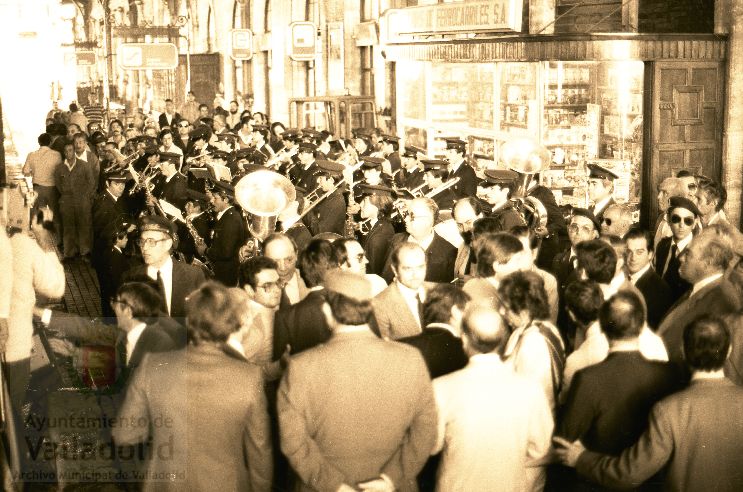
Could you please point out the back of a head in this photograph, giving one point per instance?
(622, 316)
(484, 330)
(584, 299)
(45, 140)
(213, 312)
(717, 251)
(525, 291)
(349, 297)
(315, 260)
(495, 248)
(143, 299)
(440, 300)
(598, 259)
(706, 343)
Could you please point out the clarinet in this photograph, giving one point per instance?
(197, 239)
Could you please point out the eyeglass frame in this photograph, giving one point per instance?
(149, 241)
(676, 219)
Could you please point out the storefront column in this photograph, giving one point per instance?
(732, 138)
(541, 13)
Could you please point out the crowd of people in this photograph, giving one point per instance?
(407, 325)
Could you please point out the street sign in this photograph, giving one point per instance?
(304, 37)
(241, 44)
(85, 58)
(143, 56)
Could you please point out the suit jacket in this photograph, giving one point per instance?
(325, 428)
(394, 160)
(719, 297)
(302, 325)
(555, 219)
(441, 350)
(734, 362)
(174, 191)
(657, 296)
(162, 120)
(678, 285)
(393, 317)
(409, 180)
(300, 233)
(377, 245)
(692, 436)
(186, 279)
(607, 405)
(223, 433)
(467, 185)
(228, 236)
(107, 213)
(329, 215)
(440, 258)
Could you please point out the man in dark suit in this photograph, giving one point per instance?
(440, 254)
(304, 174)
(195, 213)
(557, 229)
(440, 342)
(172, 185)
(703, 264)
(691, 436)
(435, 175)
(330, 214)
(495, 190)
(220, 440)
(637, 261)
(303, 325)
(410, 175)
(456, 150)
(600, 189)
(390, 148)
(228, 235)
(175, 279)
(324, 427)
(170, 117)
(376, 207)
(682, 215)
(607, 405)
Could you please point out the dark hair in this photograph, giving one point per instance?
(706, 343)
(713, 191)
(250, 268)
(584, 299)
(440, 300)
(315, 260)
(525, 291)
(384, 204)
(598, 259)
(527, 232)
(45, 140)
(684, 173)
(168, 100)
(491, 248)
(202, 105)
(349, 311)
(213, 312)
(144, 300)
(340, 254)
(73, 107)
(399, 247)
(622, 315)
(485, 225)
(640, 233)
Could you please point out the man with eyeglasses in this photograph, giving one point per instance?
(682, 216)
(440, 254)
(350, 256)
(667, 188)
(466, 212)
(175, 279)
(582, 226)
(617, 220)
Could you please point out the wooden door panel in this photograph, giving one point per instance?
(686, 120)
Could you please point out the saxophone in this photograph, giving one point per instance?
(198, 240)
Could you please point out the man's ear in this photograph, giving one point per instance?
(249, 289)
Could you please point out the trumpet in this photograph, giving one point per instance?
(198, 159)
(281, 156)
(121, 161)
(432, 193)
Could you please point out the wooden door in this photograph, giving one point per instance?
(687, 118)
(206, 74)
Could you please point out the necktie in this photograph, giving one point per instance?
(671, 257)
(161, 288)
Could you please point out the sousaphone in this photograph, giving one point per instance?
(527, 157)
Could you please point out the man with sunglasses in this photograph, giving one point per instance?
(349, 255)
(175, 279)
(682, 215)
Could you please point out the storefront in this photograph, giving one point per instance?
(644, 106)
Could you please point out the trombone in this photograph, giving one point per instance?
(432, 193)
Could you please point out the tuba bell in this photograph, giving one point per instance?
(263, 195)
(527, 157)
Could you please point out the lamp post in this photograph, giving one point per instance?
(99, 13)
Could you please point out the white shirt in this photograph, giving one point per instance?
(116, 199)
(166, 272)
(292, 289)
(220, 214)
(601, 204)
(704, 283)
(613, 286)
(425, 243)
(681, 245)
(411, 299)
(595, 348)
(131, 340)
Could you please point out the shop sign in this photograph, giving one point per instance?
(304, 36)
(143, 56)
(452, 18)
(85, 58)
(241, 44)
